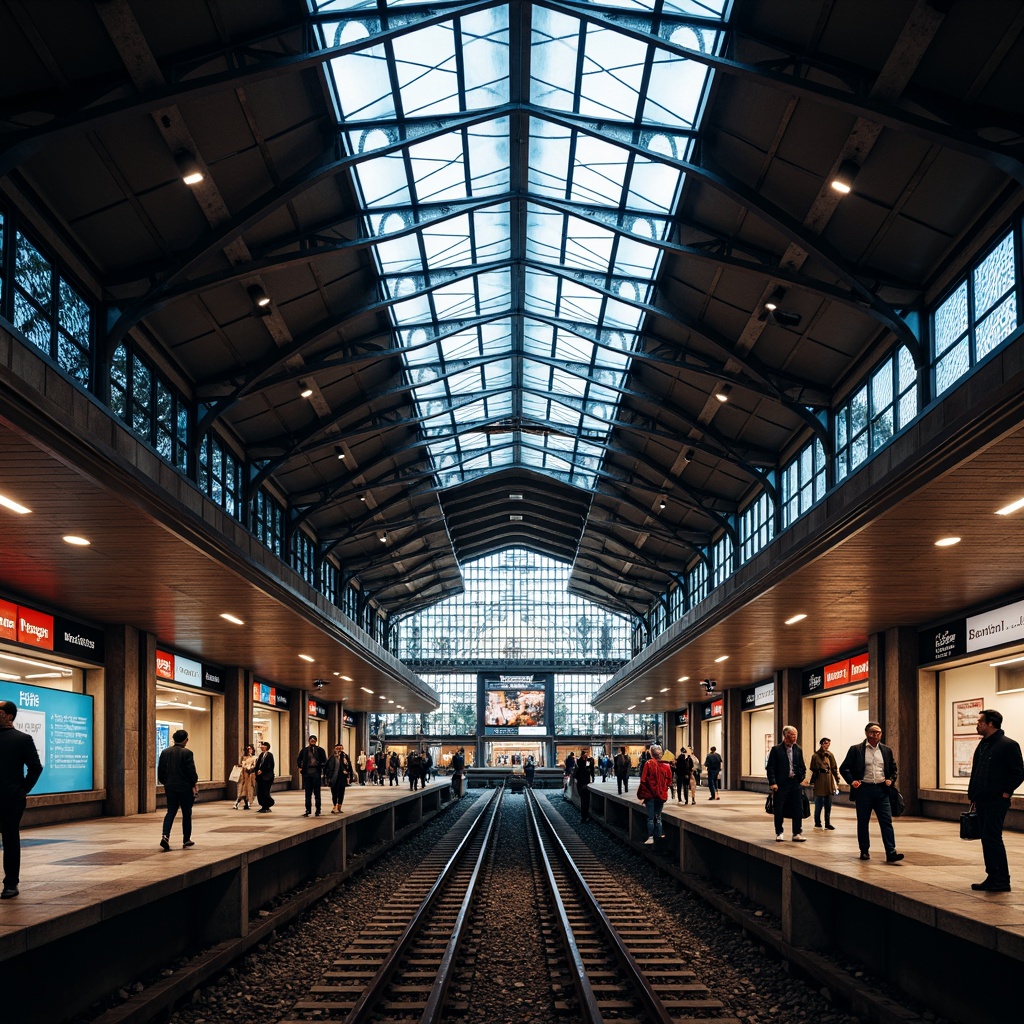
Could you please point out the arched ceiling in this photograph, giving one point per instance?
(513, 248)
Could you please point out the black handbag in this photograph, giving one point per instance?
(897, 805)
(769, 804)
(970, 824)
(805, 806)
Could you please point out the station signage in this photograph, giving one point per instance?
(845, 672)
(1004, 625)
(317, 710)
(683, 717)
(20, 624)
(347, 718)
(760, 696)
(714, 708)
(173, 668)
(274, 696)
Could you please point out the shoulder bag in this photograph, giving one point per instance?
(970, 824)
(897, 805)
(769, 804)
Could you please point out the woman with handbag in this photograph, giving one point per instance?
(247, 780)
(655, 780)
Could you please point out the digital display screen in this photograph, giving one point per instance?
(61, 725)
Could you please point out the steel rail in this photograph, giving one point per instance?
(657, 1012)
(363, 1009)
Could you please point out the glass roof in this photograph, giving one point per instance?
(517, 188)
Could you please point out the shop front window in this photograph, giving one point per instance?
(267, 727)
(191, 711)
(842, 718)
(760, 740)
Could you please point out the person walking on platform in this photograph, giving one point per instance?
(458, 763)
(412, 769)
(606, 766)
(871, 770)
(584, 775)
(264, 778)
(427, 762)
(176, 772)
(655, 780)
(684, 776)
(247, 780)
(786, 771)
(996, 772)
(825, 780)
(713, 763)
(623, 763)
(394, 766)
(20, 768)
(339, 775)
(381, 761)
(311, 762)
(361, 767)
(530, 771)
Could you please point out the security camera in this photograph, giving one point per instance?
(709, 685)
(318, 683)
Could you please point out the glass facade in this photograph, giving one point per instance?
(515, 607)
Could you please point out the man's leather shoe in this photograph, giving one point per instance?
(9, 893)
(164, 843)
(988, 886)
(864, 855)
(893, 857)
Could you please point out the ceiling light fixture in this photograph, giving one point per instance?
(14, 506)
(515, 519)
(842, 181)
(688, 455)
(1014, 506)
(365, 690)
(383, 538)
(793, 619)
(348, 679)
(306, 657)
(341, 454)
(305, 392)
(683, 679)
(723, 393)
(78, 542)
(188, 167)
(631, 706)
(232, 618)
(947, 542)
(1008, 661)
(773, 300)
(258, 296)
(662, 503)
(664, 689)
(721, 658)
(362, 497)
(516, 497)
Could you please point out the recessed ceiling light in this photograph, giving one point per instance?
(664, 689)
(516, 497)
(683, 679)
(306, 657)
(842, 180)
(391, 702)
(515, 519)
(305, 393)
(365, 690)
(947, 542)
(631, 706)
(1014, 506)
(78, 542)
(188, 167)
(795, 618)
(723, 393)
(232, 618)
(1008, 661)
(721, 658)
(258, 296)
(14, 506)
(348, 679)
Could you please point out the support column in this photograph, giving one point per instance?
(237, 721)
(733, 738)
(121, 712)
(788, 703)
(808, 913)
(148, 752)
(898, 704)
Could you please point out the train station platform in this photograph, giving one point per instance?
(101, 904)
(916, 923)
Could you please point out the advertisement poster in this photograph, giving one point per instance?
(515, 704)
(61, 724)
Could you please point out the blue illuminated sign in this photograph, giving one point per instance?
(61, 724)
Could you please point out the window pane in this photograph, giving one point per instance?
(73, 314)
(33, 273)
(993, 277)
(952, 367)
(998, 325)
(951, 319)
(31, 322)
(73, 359)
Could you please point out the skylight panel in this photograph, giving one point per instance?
(367, 84)
(613, 72)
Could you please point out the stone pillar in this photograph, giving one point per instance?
(148, 752)
(237, 721)
(788, 702)
(121, 713)
(898, 707)
(732, 739)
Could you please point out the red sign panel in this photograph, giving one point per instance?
(860, 667)
(35, 629)
(8, 621)
(837, 674)
(164, 665)
(717, 707)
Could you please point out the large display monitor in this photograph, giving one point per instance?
(61, 724)
(516, 705)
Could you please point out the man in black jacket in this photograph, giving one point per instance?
(176, 772)
(997, 771)
(786, 771)
(19, 769)
(622, 765)
(311, 762)
(870, 769)
(264, 778)
(584, 775)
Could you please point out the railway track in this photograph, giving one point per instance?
(617, 964)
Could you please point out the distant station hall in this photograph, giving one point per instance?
(522, 442)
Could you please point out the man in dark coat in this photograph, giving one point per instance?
(997, 771)
(176, 772)
(786, 771)
(584, 775)
(871, 770)
(311, 762)
(19, 769)
(623, 763)
(264, 778)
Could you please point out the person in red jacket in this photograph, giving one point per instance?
(655, 780)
